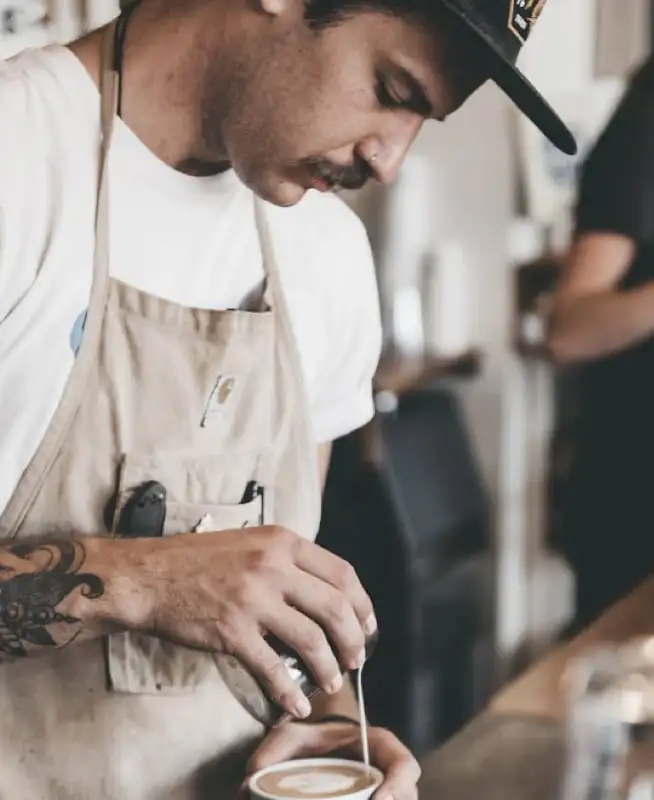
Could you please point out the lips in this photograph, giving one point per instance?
(321, 185)
(326, 177)
(321, 182)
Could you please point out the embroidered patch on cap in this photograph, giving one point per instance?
(221, 401)
(523, 15)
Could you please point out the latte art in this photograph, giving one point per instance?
(305, 783)
(313, 782)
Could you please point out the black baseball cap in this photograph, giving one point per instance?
(503, 26)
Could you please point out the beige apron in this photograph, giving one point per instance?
(204, 402)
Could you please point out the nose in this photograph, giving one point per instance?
(385, 152)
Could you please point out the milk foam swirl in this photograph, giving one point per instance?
(318, 783)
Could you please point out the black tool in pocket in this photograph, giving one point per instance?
(144, 513)
(252, 490)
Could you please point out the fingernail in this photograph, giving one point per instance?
(336, 685)
(359, 661)
(302, 708)
(370, 627)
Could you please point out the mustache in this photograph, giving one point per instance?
(349, 176)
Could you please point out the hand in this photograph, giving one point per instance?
(225, 591)
(387, 753)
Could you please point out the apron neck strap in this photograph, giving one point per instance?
(109, 91)
(273, 296)
(110, 81)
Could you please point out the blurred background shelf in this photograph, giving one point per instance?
(399, 374)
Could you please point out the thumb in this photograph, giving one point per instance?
(281, 744)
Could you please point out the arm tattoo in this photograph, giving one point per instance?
(35, 579)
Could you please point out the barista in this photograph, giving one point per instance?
(188, 317)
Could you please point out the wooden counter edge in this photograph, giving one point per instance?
(540, 691)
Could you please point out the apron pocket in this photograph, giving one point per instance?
(214, 479)
(203, 517)
(141, 664)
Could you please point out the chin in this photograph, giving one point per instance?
(281, 193)
(272, 189)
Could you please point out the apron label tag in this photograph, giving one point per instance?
(221, 401)
(205, 525)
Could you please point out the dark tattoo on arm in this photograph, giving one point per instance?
(35, 582)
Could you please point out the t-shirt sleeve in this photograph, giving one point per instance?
(21, 189)
(617, 181)
(343, 394)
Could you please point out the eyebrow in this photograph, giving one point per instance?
(419, 102)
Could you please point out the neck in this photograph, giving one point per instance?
(162, 88)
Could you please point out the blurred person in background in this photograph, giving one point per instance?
(603, 322)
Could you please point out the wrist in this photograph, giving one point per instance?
(124, 602)
(327, 719)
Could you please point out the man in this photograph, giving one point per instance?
(185, 328)
(603, 321)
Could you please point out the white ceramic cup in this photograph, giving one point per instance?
(331, 788)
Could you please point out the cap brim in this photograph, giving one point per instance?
(521, 91)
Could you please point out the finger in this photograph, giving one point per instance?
(297, 740)
(333, 611)
(340, 574)
(264, 663)
(308, 640)
(281, 744)
(401, 770)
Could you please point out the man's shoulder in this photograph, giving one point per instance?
(18, 72)
(46, 99)
(21, 140)
(44, 86)
(14, 94)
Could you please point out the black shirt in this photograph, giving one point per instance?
(615, 464)
(617, 182)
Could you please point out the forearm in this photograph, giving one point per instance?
(53, 593)
(601, 324)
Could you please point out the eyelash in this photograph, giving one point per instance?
(384, 96)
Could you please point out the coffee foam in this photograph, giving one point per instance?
(315, 781)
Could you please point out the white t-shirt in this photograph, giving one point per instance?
(186, 239)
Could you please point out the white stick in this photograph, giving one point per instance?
(363, 722)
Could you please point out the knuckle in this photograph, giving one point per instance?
(313, 640)
(389, 740)
(339, 611)
(231, 618)
(277, 675)
(279, 544)
(246, 591)
(257, 561)
(281, 535)
(346, 576)
(230, 636)
(287, 540)
(382, 734)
